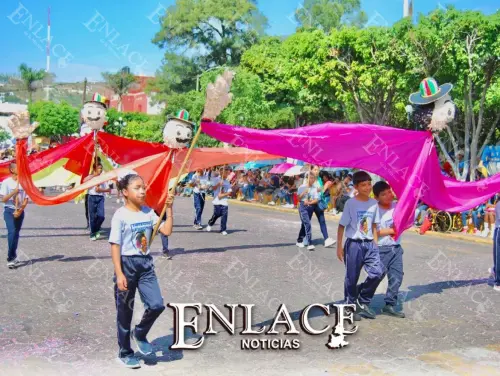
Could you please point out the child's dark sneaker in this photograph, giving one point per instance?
(143, 345)
(365, 311)
(389, 310)
(130, 362)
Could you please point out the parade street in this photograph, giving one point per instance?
(58, 315)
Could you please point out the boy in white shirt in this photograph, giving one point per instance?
(222, 190)
(391, 253)
(359, 222)
(96, 204)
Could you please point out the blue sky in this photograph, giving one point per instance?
(80, 47)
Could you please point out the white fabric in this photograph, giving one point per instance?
(386, 219)
(358, 218)
(224, 188)
(93, 192)
(132, 230)
(8, 185)
(312, 192)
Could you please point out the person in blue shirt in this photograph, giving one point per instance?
(131, 229)
(391, 252)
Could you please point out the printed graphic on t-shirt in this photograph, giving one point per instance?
(364, 220)
(139, 239)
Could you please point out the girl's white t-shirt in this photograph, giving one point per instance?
(132, 230)
(8, 185)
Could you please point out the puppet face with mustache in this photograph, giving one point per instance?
(94, 115)
(177, 134)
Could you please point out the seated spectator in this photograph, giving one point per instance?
(475, 216)
(489, 217)
(421, 213)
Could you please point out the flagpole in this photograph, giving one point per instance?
(177, 180)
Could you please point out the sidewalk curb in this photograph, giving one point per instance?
(453, 236)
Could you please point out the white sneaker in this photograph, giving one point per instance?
(271, 203)
(485, 232)
(14, 263)
(311, 247)
(224, 233)
(290, 206)
(300, 245)
(329, 242)
(333, 211)
(209, 228)
(496, 288)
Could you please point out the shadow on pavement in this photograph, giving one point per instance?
(163, 344)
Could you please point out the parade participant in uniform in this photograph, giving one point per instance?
(96, 204)
(391, 252)
(308, 196)
(15, 200)
(222, 190)
(360, 250)
(199, 181)
(131, 229)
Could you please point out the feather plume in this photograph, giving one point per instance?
(218, 96)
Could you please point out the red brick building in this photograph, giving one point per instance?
(136, 100)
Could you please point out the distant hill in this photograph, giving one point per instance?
(71, 92)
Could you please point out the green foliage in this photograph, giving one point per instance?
(330, 14)
(32, 79)
(114, 115)
(120, 82)
(4, 135)
(150, 130)
(55, 119)
(222, 29)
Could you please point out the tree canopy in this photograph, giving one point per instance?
(330, 14)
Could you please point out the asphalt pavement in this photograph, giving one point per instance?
(57, 315)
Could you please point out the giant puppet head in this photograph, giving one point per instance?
(432, 107)
(94, 112)
(178, 131)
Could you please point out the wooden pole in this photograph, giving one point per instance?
(179, 174)
(84, 91)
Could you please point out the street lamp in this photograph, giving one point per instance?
(120, 124)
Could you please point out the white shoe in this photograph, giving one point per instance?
(224, 233)
(496, 288)
(329, 242)
(485, 232)
(311, 247)
(300, 245)
(14, 263)
(271, 203)
(290, 206)
(209, 228)
(333, 211)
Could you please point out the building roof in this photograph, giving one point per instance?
(11, 108)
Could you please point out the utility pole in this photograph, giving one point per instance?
(84, 90)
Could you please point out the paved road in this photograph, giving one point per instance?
(57, 315)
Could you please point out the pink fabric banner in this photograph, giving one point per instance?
(281, 168)
(408, 160)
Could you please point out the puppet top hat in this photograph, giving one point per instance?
(182, 116)
(429, 92)
(98, 98)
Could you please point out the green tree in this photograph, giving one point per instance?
(462, 48)
(293, 74)
(150, 130)
(55, 119)
(32, 79)
(330, 14)
(369, 72)
(120, 82)
(220, 30)
(4, 135)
